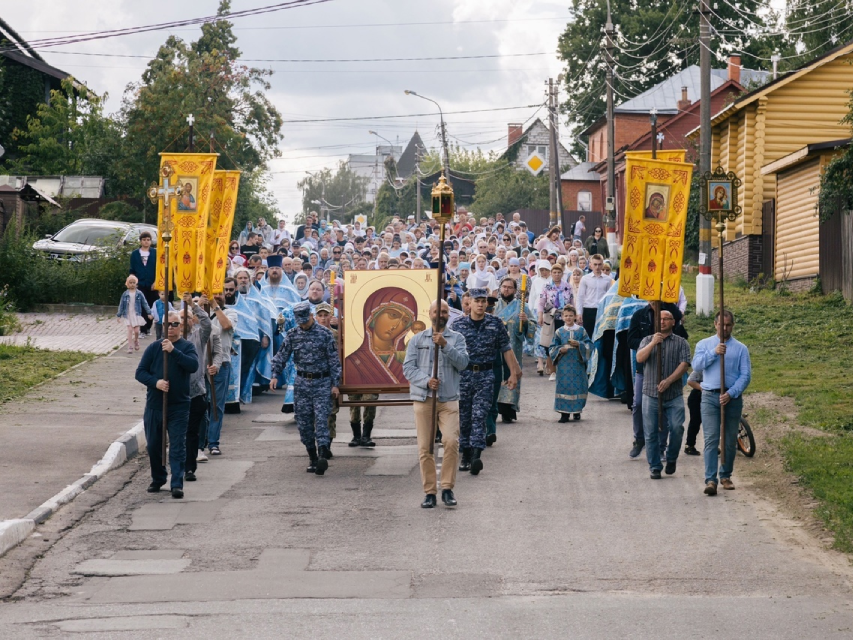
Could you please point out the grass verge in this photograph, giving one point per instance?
(21, 368)
(800, 345)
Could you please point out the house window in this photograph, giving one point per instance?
(541, 149)
(584, 201)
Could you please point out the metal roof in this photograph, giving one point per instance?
(583, 172)
(89, 187)
(665, 95)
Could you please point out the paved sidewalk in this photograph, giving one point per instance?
(69, 332)
(54, 434)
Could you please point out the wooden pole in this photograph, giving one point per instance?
(657, 305)
(210, 362)
(440, 299)
(722, 227)
(166, 237)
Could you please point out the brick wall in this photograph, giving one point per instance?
(743, 257)
(571, 189)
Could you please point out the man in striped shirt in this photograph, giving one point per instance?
(666, 394)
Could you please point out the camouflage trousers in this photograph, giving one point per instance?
(476, 393)
(369, 412)
(313, 404)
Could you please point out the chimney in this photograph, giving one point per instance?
(515, 131)
(734, 67)
(685, 102)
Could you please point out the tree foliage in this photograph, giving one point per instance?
(813, 28)
(342, 190)
(71, 135)
(655, 39)
(507, 189)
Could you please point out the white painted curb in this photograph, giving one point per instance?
(14, 532)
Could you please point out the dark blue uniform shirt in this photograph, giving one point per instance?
(314, 351)
(486, 342)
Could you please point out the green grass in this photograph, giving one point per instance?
(21, 368)
(801, 347)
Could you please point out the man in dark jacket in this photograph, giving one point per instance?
(143, 265)
(183, 361)
(642, 325)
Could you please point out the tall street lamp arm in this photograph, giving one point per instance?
(443, 130)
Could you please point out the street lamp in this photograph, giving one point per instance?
(446, 163)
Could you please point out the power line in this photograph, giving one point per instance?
(164, 26)
(325, 60)
(411, 115)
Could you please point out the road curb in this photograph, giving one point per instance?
(14, 532)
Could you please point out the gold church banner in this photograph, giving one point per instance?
(671, 155)
(223, 203)
(657, 193)
(193, 173)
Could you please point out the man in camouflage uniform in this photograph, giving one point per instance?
(323, 314)
(318, 374)
(486, 338)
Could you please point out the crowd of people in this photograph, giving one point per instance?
(508, 293)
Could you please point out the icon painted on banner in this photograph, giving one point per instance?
(189, 191)
(657, 201)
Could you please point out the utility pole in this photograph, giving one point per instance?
(705, 280)
(610, 203)
(552, 156)
(418, 184)
(555, 134)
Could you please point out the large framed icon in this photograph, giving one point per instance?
(382, 310)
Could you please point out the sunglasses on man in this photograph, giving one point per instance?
(174, 325)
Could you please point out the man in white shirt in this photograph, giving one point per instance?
(592, 289)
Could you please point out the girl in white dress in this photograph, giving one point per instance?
(132, 310)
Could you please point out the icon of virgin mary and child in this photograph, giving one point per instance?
(389, 314)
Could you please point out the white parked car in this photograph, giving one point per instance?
(89, 237)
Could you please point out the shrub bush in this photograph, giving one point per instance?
(8, 320)
(32, 278)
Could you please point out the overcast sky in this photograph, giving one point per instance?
(338, 29)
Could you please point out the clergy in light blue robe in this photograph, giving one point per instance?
(508, 312)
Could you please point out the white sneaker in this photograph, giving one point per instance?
(553, 377)
(201, 457)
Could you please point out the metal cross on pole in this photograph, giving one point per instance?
(167, 194)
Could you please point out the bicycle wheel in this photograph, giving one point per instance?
(745, 439)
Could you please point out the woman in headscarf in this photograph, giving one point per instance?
(388, 315)
(573, 260)
(575, 281)
(300, 282)
(538, 281)
(555, 295)
(481, 276)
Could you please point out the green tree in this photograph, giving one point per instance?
(254, 201)
(343, 191)
(202, 78)
(71, 135)
(463, 161)
(813, 28)
(655, 39)
(507, 189)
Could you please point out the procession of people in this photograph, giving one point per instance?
(508, 294)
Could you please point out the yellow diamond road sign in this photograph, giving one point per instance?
(535, 163)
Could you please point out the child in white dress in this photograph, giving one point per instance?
(133, 309)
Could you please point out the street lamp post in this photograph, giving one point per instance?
(446, 163)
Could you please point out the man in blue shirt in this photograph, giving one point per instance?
(720, 395)
(418, 368)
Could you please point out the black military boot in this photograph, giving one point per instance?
(365, 435)
(356, 434)
(323, 460)
(312, 453)
(476, 464)
(465, 462)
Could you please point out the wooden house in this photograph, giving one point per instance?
(798, 109)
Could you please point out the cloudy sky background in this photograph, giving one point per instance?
(339, 29)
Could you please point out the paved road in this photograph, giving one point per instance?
(69, 332)
(560, 536)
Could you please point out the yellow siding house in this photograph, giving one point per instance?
(801, 108)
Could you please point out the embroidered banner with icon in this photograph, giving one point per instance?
(657, 193)
(670, 155)
(223, 202)
(193, 173)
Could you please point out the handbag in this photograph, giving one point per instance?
(546, 335)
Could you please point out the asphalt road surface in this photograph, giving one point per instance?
(560, 536)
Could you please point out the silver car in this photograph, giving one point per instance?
(88, 238)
